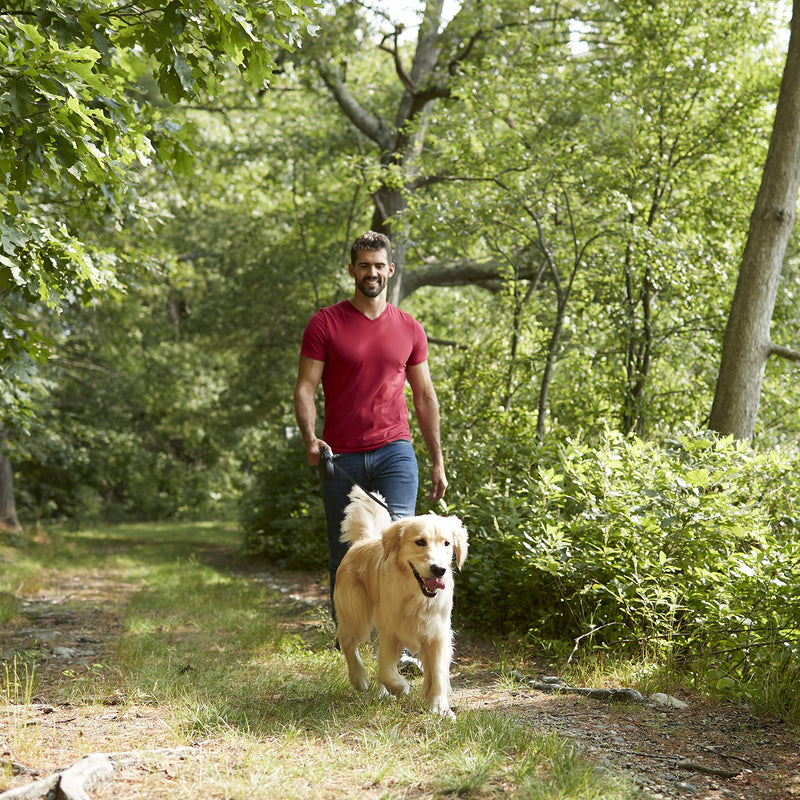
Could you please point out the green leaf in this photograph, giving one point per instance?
(12, 238)
(184, 73)
(698, 477)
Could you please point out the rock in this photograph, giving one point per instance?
(65, 652)
(661, 700)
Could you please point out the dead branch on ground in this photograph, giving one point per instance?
(74, 782)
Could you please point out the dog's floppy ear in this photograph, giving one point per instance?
(392, 537)
(460, 543)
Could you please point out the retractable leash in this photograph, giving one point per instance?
(327, 466)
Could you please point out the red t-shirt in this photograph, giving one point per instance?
(365, 373)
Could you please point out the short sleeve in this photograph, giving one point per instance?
(419, 349)
(313, 344)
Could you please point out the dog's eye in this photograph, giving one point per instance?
(447, 544)
(421, 543)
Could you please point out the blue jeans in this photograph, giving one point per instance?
(391, 470)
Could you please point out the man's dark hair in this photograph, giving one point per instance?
(371, 241)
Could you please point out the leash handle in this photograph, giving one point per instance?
(326, 469)
(326, 465)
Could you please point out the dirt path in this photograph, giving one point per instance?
(646, 744)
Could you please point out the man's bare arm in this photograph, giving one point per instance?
(426, 404)
(309, 375)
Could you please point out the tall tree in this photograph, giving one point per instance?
(748, 343)
(615, 156)
(396, 119)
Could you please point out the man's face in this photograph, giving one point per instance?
(371, 272)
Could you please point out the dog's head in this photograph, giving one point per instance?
(427, 546)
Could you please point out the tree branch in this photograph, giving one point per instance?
(485, 274)
(73, 782)
(394, 52)
(784, 352)
(368, 123)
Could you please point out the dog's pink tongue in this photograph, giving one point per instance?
(432, 584)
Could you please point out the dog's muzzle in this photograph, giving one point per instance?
(429, 586)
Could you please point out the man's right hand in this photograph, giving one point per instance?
(314, 450)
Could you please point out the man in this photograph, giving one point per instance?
(363, 350)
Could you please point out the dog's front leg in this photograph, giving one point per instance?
(436, 656)
(389, 650)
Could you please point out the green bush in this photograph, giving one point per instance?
(81, 474)
(686, 546)
(281, 513)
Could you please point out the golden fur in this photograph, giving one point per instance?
(397, 577)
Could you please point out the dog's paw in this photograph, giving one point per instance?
(359, 680)
(440, 706)
(398, 688)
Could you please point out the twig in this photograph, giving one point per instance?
(684, 763)
(19, 769)
(727, 756)
(583, 636)
(557, 686)
(675, 759)
(613, 695)
(693, 766)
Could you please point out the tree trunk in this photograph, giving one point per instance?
(638, 350)
(389, 218)
(8, 508)
(747, 344)
(401, 141)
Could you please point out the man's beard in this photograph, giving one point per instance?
(372, 289)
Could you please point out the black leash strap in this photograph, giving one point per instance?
(327, 465)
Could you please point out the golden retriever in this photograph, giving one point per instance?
(397, 577)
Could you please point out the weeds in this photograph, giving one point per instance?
(19, 682)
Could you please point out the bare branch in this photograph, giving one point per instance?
(489, 275)
(784, 352)
(394, 52)
(369, 123)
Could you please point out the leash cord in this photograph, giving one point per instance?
(328, 456)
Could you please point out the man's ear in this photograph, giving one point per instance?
(392, 268)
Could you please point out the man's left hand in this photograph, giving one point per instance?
(438, 485)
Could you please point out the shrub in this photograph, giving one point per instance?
(686, 545)
(281, 513)
(683, 550)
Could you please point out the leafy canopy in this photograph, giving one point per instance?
(75, 117)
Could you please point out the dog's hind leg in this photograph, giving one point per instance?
(389, 650)
(353, 628)
(350, 635)
(355, 666)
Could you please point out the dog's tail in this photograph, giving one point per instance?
(363, 517)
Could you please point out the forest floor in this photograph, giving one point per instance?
(668, 753)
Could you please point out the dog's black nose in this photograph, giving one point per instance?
(437, 572)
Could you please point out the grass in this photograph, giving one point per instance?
(219, 657)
